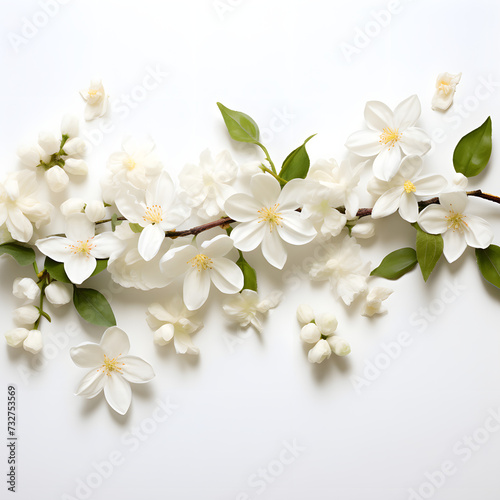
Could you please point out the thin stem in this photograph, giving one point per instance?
(276, 176)
(268, 158)
(42, 296)
(103, 221)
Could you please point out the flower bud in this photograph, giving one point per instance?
(75, 147)
(310, 333)
(95, 210)
(319, 352)
(49, 142)
(16, 337)
(339, 346)
(58, 293)
(164, 334)
(25, 288)
(305, 314)
(327, 323)
(75, 166)
(69, 125)
(72, 206)
(26, 315)
(363, 229)
(33, 342)
(56, 178)
(31, 155)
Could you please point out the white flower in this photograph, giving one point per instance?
(157, 210)
(390, 133)
(305, 314)
(363, 228)
(401, 192)
(458, 228)
(26, 315)
(341, 264)
(174, 321)
(129, 269)
(72, 206)
(58, 294)
(16, 337)
(446, 85)
(207, 186)
(95, 210)
(111, 369)
(69, 125)
(268, 218)
(319, 352)
(246, 308)
(80, 249)
(57, 179)
(25, 288)
(339, 346)
(310, 333)
(202, 265)
(33, 342)
(373, 302)
(19, 207)
(96, 100)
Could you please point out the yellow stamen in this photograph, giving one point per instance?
(271, 216)
(409, 187)
(111, 365)
(92, 92)
(82, 246)
(202, 262)
(444, 87)
(456, 221)
(130, 163)
(153, 214)
(390, 136)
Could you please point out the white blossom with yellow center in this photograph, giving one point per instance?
(446, 85)
(95, 99)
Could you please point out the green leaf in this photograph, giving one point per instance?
(56, 270)
(296, 164)
(240, 126)
(101, 265)
(488, 261)
(115, 222)
(23, 255)
(136, 228)
(249, 274)
(429, 250)
(396, 264)
(473, 151)
(93, 307)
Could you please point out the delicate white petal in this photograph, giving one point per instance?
(242, 207)
(265, 189)
(88, 355)
(226, 275)
(430, 185)
(387, 162)
(136, 370)
(184, 345)
(408, 207)
(19, 225)
(56, 248)
(364, 143)
(290, 194)
(432, 219)
(118, 393)
(218, 246)
(79, 267)
(79, 227)
(388, 203)
(454, 245)
(248, 235)
(115, 342)
(296, 230)
(415, 141)
(105, 245)
(456, 201)
(407, 113)
(164, 334)
(150, 241)
(92, 384)
(378, 116)
(176, 261)
(196, 288)
(478, 233)
(273, 249)
(410, 167)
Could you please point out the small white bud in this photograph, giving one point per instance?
(319, 352)
(69, 125)
(310, 333)
(164, 334)
(95, 210)
(75, 147)
(339, 346)
(16, 337)
(31, 155)
(363, 229)
(25, 288)
(58, 293)
(72, 206)
(49, 142)
(26, 315)
(327, 323)
(57, 179)
(34, 342)
(305, 314)
(75, 166)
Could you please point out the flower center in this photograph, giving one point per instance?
(82, 246)
(92, 93)
(130, 163)
(409, 187)
(456, 221)
(112, 365)
(271, 216)
(390, 136)
(153, 214)
(202, 262)
(444, 87)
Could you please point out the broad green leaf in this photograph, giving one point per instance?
(488, 261)
(296, 164)
(396, 264)
(429, 250)
(56, 270)
(473, 151)
(23, 255)
(240, 126)
(101, 265)
(93, 307)
(249, 274)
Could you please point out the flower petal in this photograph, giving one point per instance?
(430, 185)
(454, 245)
(291, 193)
(265, 189)
(364, 143)
(273, 249)
(87, 355)
(408, 207)
(164, 192)
(92, 384)
(378, 116)
(388, 203)
(79, 267)
(407, 113)
(136, 370)
(19, 225)
(296, 230)
(176, 261)
(150, 241)
(248, 235)
(478, 233)
(414, 141)
(55, 247)
(387, 162)
(79, 227)
(218, 246)
(410, 167)
(118, 393)
(226, 275)
(196, 288)
(105, 244)
(242, 207)
(455, 201)
(184, 345)
(115, 342)
(432, 219)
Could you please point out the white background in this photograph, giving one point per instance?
(247, 395)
